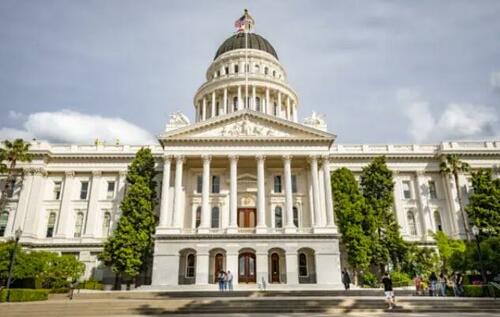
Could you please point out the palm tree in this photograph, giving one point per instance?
(12, 152)
(452, 165)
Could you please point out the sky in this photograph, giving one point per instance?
(379, 71)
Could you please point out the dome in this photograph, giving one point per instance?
(237, 41)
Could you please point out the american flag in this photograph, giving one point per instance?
(240, 24)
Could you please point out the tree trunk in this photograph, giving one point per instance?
(461, 205)
(118, 282)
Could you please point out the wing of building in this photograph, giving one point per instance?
(245, 188)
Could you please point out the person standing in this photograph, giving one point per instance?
(220, 280)
(442, 284)
(388, 291)
(432, 287)
(418, 284)
(346, 279)
(230, 280)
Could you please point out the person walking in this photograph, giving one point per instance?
(418, 284)
(458, 284)
(388, 291)
(442, 284)
(220, 280)
(432, 284)
(229, 280)
(346, 279)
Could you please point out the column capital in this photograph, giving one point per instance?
(69, 173)
(180, 158)
(167, 157)
(325, 158)
(287, 158)
(419, 173)
(260, 157)
(206, 158)
(233, 158)
(312, 158)
(96, 173)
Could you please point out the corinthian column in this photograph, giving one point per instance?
(313, 161)
(290, 226)
(213, 105)
(93, 215)
(204, 109)
(164, 191)
(205, 195)
(328, 192)
(261, 195)
(233, 195)
(179, 164)
(226, 110)
(240, 100)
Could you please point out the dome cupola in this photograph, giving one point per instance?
(254, 41)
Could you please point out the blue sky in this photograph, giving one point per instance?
(380, 71)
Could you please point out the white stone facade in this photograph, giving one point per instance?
(245, 188)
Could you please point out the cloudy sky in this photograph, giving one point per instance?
(381, 71)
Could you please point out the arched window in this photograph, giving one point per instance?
(278, 217)
(257, 68)
(106, 224)
(236, 69)
(190, 265)
(198, 217)
(274, 73)
(266, 71)
(78, 225)
(302, 264)
(277, 183)
(412, 225)
(295, 216)
(437, 221)
(257, 103)
(235, 104)
(4, 218)
(51, 224)
(215, 217)
(226, 70)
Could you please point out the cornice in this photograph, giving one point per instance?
(243, 236)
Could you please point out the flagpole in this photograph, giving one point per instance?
(247, 67)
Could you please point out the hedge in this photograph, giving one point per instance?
(478, 291)
(24, 295)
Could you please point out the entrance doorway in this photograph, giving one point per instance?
(275, 268)
(219, 265)
(247, 217)
(246, 268)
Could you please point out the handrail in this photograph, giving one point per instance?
(494, 285)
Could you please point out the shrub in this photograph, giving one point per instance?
(61, 290)
(478, 291)
(370, 280)
(91, 284)
(24, 295)
(400, 279)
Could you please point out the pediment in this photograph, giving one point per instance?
(246, 125)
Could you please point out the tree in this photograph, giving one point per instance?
(484, 203)
(448, 249)
(452, 165)
(12, 152)
(353, 218)
(130, 246)
(378, 191)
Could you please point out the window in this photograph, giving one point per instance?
(4, 218)
(198, 217)
(274, 73)
(218, 73)
(296, 216)
(412, 225)
(278, 217)
(84, 189)
(57, 190)
(277, 184)
(437, 221)
(236, 68)
(294, 183)
(199, 184)
(190, 265)
(235, 104)
(51, 224)
(215, 184)
(106, 224)
(302, 264)
(217, 110)
(226, 70)
(406, 190)
(257, 68)
(110, 193)
(275, 109)
(78, 225)
(215, 217)
(266, 71)
(432, 190)
(257, 103)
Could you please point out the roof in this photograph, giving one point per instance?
(237, 41)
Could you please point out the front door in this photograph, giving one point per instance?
(219, 266)
(275, 268)
(246, 268)
(247, 217)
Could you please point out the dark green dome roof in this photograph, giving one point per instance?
(237, 41)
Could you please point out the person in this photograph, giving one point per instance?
(418, 284)
(388, 291)
(72, 286)
(432, 287)
(220, 280)
(346, 279)
(458, 284)
(442, 284)
(230, 280)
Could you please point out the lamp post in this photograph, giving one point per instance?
(17, 235)
(475, 232)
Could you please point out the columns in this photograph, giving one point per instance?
(268, 106)
(213, 105)
(254, 98)
(205, 195)
(288, 116)
(31, 221)
(425, 212)
(233, 194)
(64, 216)
(313, 161)
(179, 164)
(398, 204)
(328, 192)
(261, 195)
(290, 226)
(279, 101)
(22, 207)
(93, 214)
(421, 205)
(204, 109)
(294, 106)
(165, 191)
(226, 110)
(240, 100)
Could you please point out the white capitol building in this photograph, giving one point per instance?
(245, 188)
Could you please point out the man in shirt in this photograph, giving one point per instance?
(389, 294)
(230, 280)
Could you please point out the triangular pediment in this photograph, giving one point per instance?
(247, 125)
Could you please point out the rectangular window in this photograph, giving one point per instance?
(57, 190)
(277, 184)
(51, 223)
(199, 184)
(84, 189)
(406, 190)
(215, 184)
(294, 184)
(110, 193)
(226, 71)
(432, 190)
(79, 222)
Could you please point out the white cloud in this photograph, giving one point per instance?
(456, 121)
(66, 126)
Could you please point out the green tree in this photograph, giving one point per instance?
(420, 260)
(378, 190)
(353, 218)
(129, 248)
(484, 203)
(12, 152)
(448, 249)
(452, 165)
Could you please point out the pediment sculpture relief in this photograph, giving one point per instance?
(247, 128)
